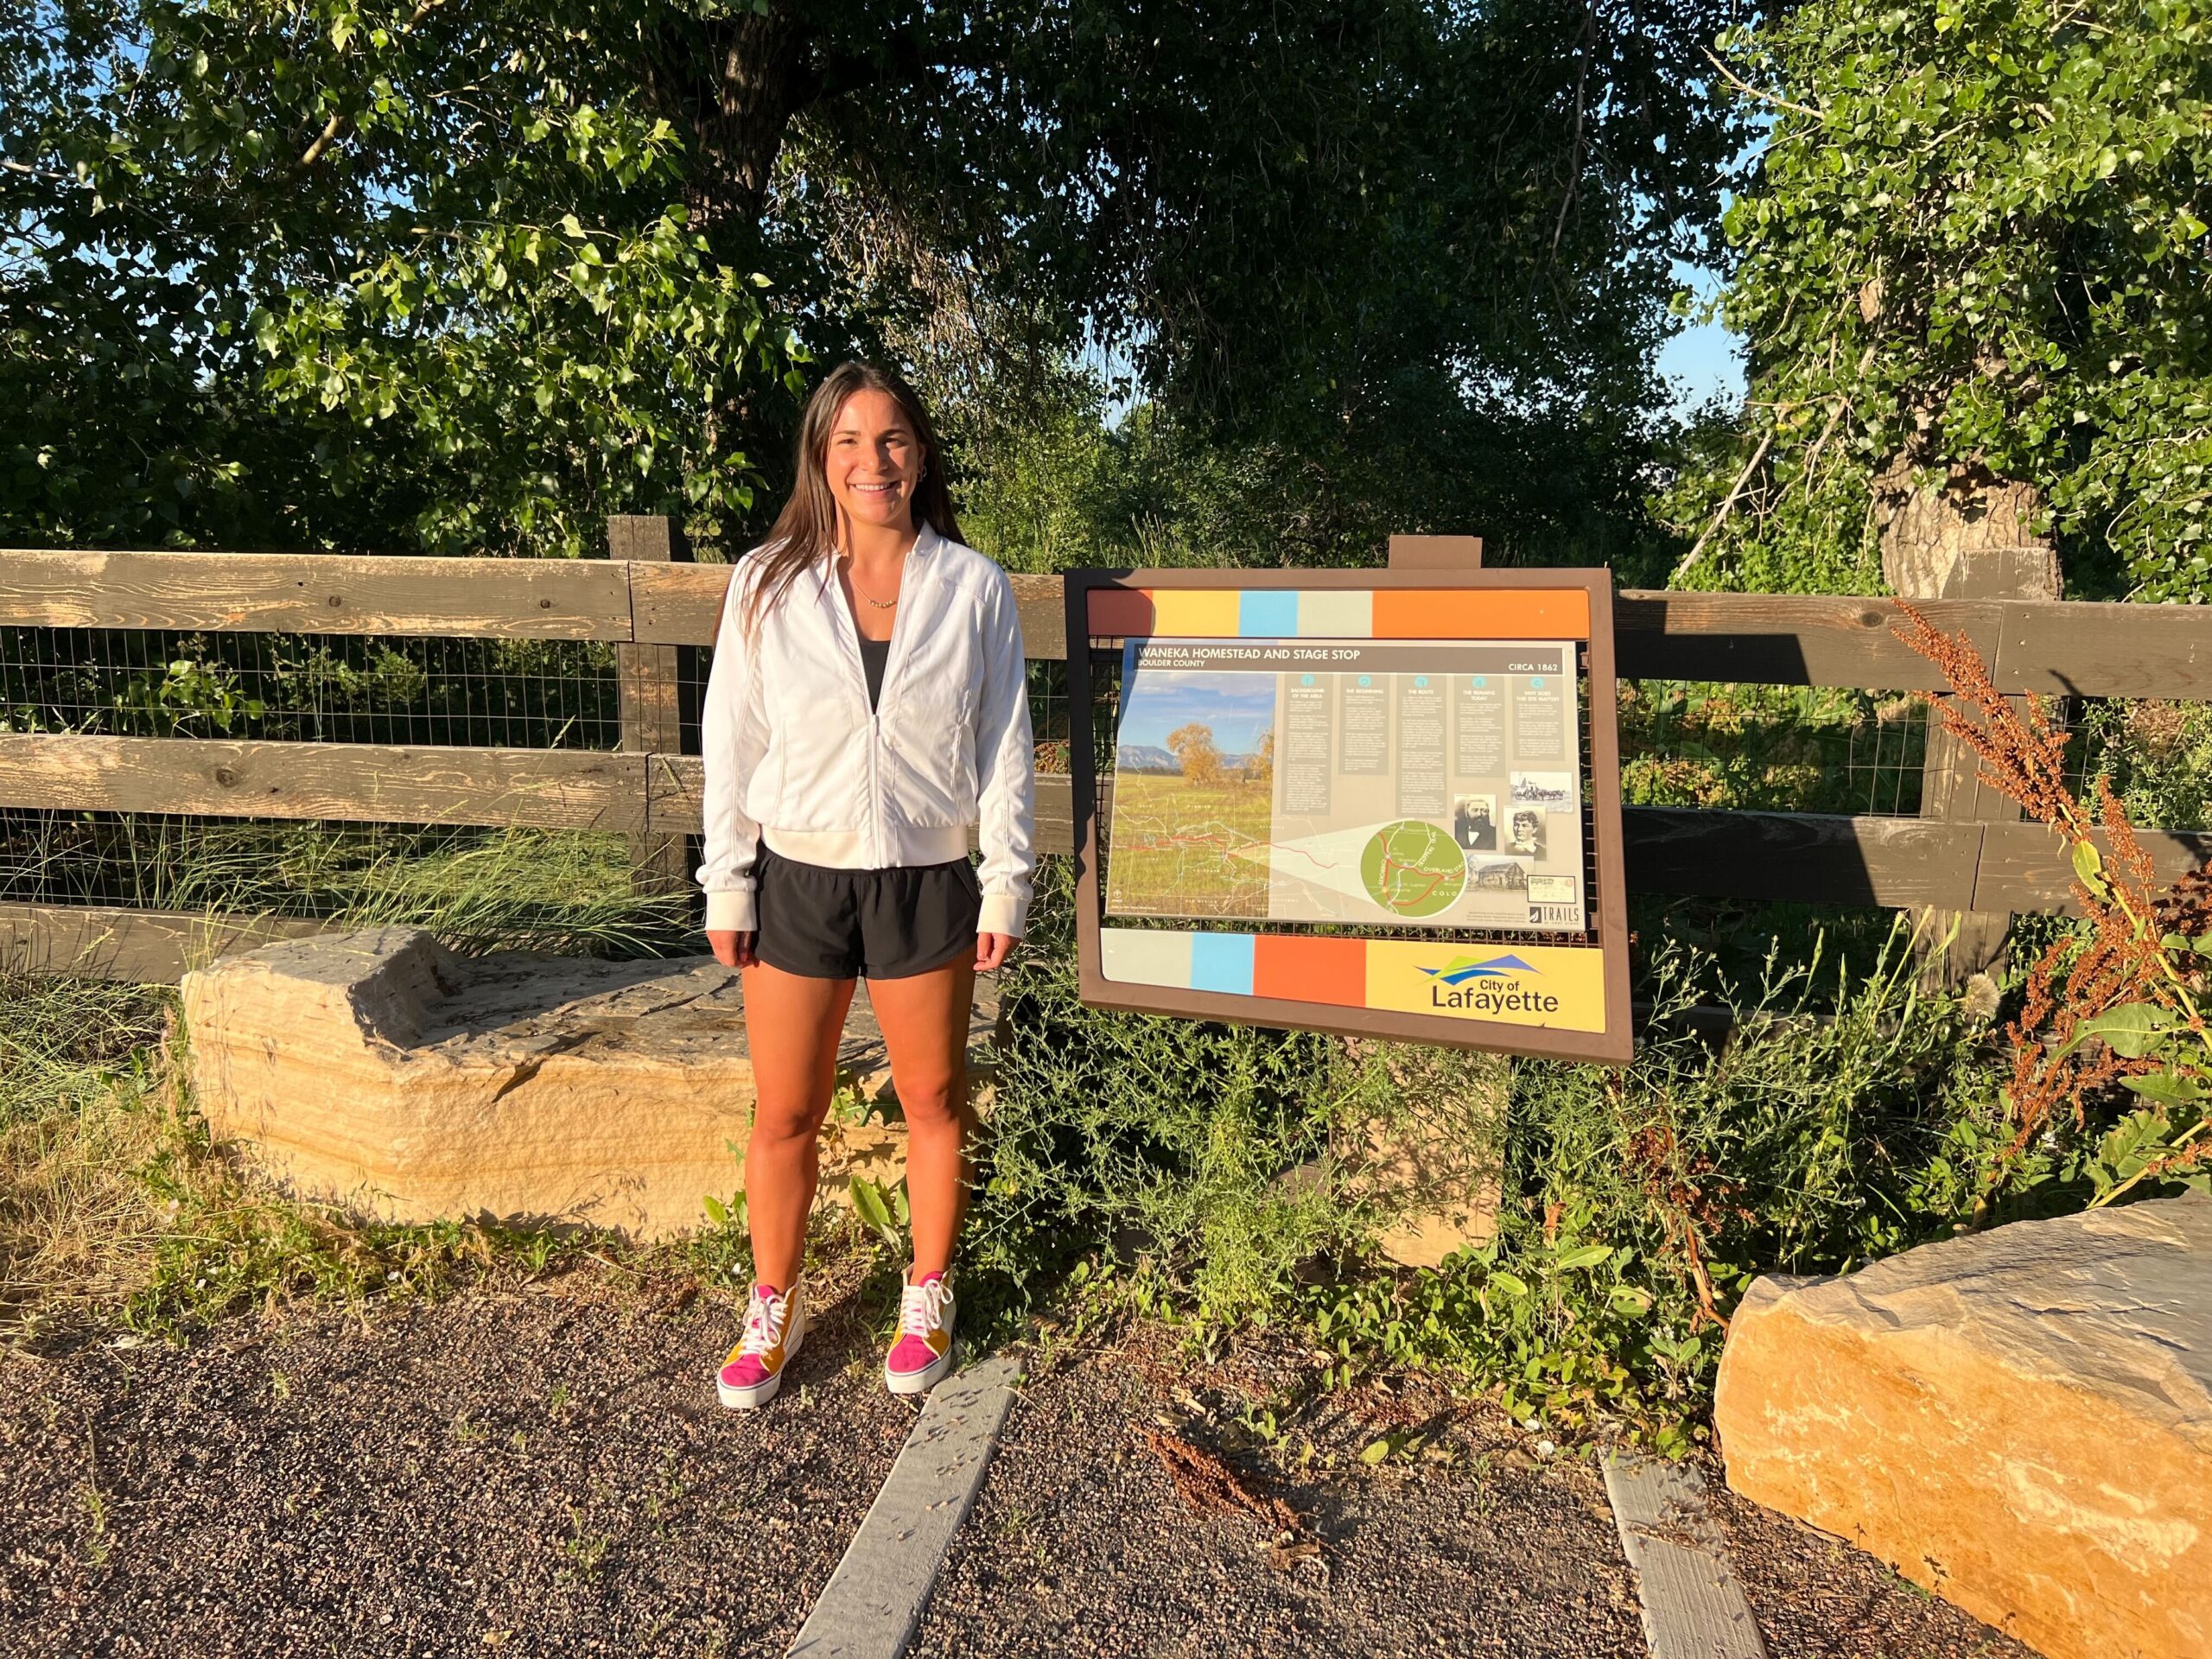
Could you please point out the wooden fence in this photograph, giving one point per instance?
(648, 605)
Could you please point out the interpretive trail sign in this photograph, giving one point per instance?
(1367, 802)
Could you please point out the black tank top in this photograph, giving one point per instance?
(874, 652)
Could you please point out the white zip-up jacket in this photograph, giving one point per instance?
(796, 758)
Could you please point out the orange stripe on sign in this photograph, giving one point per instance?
(1482, 613)
(1120, 611)
(1302, 969)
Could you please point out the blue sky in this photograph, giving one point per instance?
(1705, 358)
(1239, 707)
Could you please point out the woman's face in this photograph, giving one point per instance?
(874, 462)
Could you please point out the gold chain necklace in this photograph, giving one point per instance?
(889, 604)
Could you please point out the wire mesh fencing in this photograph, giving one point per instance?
(530, 694)
(1683, 744)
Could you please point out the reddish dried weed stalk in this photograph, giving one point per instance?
(2122, 960)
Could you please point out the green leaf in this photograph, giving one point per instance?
(872, 1204)
(1375, 1451)
(1511, 1284)
(2172, 1088)
(2089, 865)
(1589, 1255)
(2132, 1031)
(717, 1211)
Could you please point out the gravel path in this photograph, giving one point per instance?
(1476, 1543)
(536, 1474)
(547, 1473)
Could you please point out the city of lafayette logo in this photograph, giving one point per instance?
(1459, 969)
(1484, 986)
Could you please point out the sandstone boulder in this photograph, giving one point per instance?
(2021, 1420)
(382, 1070)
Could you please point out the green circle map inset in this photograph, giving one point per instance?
(1413, 868)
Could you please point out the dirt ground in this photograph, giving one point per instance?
(547, 1473)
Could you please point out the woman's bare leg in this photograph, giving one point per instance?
(791, 1026)
(924, 1021)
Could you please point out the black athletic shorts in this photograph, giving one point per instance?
(829, 924)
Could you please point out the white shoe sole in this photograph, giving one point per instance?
(760, 1394)
(928, 1377)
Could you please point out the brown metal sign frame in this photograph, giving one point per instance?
(1611, 1045)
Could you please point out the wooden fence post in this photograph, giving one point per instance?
(1951, 779)
(652, 714)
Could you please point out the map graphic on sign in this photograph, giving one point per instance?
(1429, 783)
(1413, 868)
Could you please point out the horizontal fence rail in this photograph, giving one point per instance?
(2090, 650)
(2084, 649)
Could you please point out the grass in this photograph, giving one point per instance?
(1782, 748)
(80, 1108)
(567, 891)
(116, 1211)
(113, 1204)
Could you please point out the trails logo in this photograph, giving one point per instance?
(1464, 985)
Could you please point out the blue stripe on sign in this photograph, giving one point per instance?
(1267, 612)
(1222, 962)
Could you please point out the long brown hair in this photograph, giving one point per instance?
(806, 530)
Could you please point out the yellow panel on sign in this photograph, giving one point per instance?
(1195, 613)
(1514, 985)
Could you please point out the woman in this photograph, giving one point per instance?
(866, 712)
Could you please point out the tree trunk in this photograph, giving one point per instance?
(1969, 537)
(732, 86)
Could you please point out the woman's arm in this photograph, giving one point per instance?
(734, 736)
(1006, 769)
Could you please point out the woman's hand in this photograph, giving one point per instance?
(990, 951)
(732, 950)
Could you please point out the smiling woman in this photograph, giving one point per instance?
(866, 712)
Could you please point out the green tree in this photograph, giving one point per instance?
(1976, 283)
(451, 274)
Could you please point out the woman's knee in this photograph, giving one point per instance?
(778, 1124)
(933, 1102)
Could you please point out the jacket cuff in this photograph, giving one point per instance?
(730, 909)
(1002, 912)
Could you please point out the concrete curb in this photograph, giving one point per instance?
(1692, 1606)
(872, 1601)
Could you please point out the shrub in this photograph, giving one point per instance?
(1161, 1137)
(1836, 1121)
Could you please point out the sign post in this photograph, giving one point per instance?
(1381, 803)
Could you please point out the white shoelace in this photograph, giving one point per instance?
(764, 1323)
(921, 1308)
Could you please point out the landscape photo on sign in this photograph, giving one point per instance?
(1193, 772)
(1398, 782)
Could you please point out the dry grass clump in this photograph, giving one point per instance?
(84, 1107)
(114, 1207)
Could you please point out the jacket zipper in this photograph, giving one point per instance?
(879, 842)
